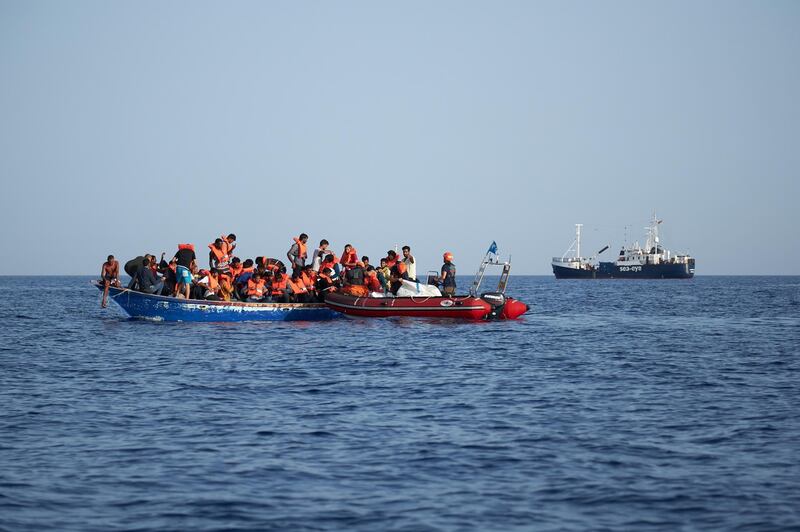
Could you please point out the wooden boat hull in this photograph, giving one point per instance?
(160, 308)
(458, 307)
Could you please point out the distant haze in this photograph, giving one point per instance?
(129, 127)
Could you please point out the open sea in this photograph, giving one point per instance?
(612, 405)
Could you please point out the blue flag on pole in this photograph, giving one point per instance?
(493, 248)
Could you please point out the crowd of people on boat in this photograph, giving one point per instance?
(262, 279)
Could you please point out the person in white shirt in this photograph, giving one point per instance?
(411, 264)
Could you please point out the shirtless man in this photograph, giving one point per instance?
(109, 275)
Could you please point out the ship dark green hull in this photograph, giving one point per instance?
(610, 270)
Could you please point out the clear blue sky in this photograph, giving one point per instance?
(128, 127)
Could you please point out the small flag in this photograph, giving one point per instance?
(493, 248)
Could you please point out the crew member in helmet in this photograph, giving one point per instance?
(448, 277)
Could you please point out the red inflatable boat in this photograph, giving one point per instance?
(490, 306)
(487, 306)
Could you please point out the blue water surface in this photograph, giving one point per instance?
(623, 405)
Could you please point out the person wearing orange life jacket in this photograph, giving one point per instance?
(279, 283)
(209, 281)
(391, 258)
(228, 244)
(240, 282)
(308, 276)
(332, 264)
(349, 257)
(397, 276)
(236, 267)
(256, 288)
(297, 254)
(297, 288)
(324, 284)
(218, 257)
(354, 281)
(226, 290)
(371, 280)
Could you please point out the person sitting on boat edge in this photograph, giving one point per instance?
(309, 276)
(209, 284)
(109, 276)
(148, 281)
(297, 254)
(236, 267)
(448, 276)
(167, 272)
(324, 284)
(391, 258)
(331, 264)
(410, 262)
(278, 287)
(297, 291)
(384, 273)
(371, 280)
(256, 288)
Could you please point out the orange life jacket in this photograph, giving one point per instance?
(222, 257)
(301, 248)
(213, 284)
(372, 282)
(227, 246)
(390, 263)
(307, 280)
(236, 270)
(401, 268)
(256, 289)
(186, 246)
(349, 259)
(297, 287)
(279, 287)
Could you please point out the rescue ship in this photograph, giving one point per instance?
(652, 261)
(429, 303)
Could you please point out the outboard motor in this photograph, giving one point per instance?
(497, 300)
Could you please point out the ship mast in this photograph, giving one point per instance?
(578, 239)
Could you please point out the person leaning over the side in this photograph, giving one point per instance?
(109, 276)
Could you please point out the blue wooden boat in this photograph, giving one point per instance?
(162, 308)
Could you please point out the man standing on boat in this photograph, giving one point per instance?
(109, 275)
(448, 277)
(297, 253)
(411, 264)
(185, 257)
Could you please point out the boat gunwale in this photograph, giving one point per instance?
(182, 301)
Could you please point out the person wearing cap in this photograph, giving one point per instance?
(448, 277)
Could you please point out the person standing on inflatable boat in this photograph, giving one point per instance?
(448, 277)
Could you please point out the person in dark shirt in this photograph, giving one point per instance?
(448, 277)
(185, 257)
(323, 285)
(149, 282)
